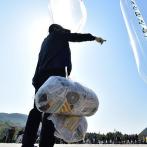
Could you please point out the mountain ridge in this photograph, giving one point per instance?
(16, 119)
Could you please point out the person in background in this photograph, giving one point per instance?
(10, 134)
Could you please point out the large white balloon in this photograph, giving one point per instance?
(71, 14)
(135, 16)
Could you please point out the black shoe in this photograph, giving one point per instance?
(28, 146)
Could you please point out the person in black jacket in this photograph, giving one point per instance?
(54, 56)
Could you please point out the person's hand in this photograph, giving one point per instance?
(100, 40)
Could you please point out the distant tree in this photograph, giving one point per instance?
(110, 137)
(118, 137)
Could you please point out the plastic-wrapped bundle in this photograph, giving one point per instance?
(63, 96)
(69, 128)
(68, 102)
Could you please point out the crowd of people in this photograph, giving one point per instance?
(12, 135)
(113, 138)
(8, 134)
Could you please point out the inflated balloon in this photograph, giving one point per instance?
(70, 14)
(135, 16)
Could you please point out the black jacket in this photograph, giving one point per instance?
(55, 52)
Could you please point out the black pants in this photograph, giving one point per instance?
(47, 138)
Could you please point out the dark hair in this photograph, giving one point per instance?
(56, 27)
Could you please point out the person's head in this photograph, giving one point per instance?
(57, 28)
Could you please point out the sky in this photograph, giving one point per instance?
(109, 69)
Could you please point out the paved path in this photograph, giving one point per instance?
(81, 145)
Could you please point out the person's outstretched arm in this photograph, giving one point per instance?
(78, 37)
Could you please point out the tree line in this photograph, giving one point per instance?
(12, 134)
(113, 138)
